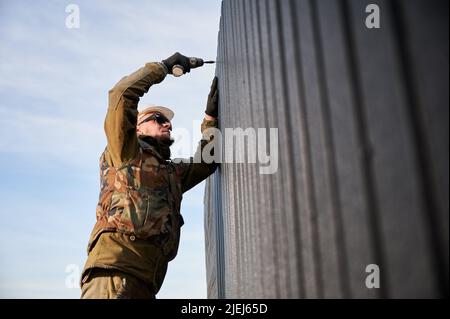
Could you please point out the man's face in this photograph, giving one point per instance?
(155, 125)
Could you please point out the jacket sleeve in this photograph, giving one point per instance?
(121, 118)
(196, 169)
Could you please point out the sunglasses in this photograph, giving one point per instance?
(159, 118)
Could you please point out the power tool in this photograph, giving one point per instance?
(178, 70)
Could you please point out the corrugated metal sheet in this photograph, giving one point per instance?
(362, 118)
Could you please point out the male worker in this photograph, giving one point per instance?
(138, 213)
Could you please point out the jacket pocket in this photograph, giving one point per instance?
(158, 210)
(145, 211)
(157, 202)
(134, 209)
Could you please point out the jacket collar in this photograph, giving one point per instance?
(159, 149)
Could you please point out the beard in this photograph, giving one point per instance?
(164, 141)
(162, 145)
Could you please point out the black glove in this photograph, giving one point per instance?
(179, 59)
(212, 108)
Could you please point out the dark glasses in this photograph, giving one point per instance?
(159, 118)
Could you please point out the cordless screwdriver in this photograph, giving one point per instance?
(178, 70)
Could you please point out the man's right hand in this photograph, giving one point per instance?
(179, 59)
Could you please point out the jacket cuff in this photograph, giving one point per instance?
(166, 71)
(208, 123)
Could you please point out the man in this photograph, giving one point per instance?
(138, 213)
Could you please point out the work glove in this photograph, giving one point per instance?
(179, 59)
(212, 105)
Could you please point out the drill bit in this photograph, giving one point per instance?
(178, 70)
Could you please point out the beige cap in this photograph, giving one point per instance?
(155, 108)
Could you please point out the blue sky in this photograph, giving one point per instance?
(53, 87)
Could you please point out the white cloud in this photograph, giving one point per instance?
(45, 138)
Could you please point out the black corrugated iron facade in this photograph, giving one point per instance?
(362, 175)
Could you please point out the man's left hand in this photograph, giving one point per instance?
(212, 105)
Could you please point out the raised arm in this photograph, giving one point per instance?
(121, 118)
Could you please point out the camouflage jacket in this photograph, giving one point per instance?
(141, 191)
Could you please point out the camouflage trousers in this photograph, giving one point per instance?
(113, 284)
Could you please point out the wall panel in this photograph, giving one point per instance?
(362, 119)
